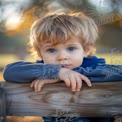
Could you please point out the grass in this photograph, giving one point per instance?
(9, 58)
(115, 59)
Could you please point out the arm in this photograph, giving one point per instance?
(102, 73)
(42, 74)
(27, 71)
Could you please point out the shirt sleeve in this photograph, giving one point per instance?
(27, 72)
(102, 73)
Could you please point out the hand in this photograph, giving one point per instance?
(73, 79)
(38, 84)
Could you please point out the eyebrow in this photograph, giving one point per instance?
(71, 45)
(48, 46)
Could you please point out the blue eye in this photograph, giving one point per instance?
(71, 48)
(51, 50)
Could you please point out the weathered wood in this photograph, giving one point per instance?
(2, 105)
(103, 99)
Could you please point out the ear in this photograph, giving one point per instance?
(87, 50)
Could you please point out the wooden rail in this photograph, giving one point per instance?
(101, 100)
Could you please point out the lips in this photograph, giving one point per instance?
(66, 65)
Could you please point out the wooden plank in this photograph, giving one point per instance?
(103, 99)
(2, 105)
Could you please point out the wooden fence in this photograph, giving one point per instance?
(101, 100)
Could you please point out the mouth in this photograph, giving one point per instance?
(66, 65)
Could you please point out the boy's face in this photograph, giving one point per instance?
(70, 55)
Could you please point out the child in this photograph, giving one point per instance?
(65, 45)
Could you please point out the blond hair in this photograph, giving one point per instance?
(60, 27)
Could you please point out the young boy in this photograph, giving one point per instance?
(65, 45)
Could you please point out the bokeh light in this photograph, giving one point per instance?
(13, 22)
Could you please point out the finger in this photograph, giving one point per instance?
(67, 82)
(88, 82)
(36, 86)
(73, 82)
(40, 85)
(32, 84)
(79, 83)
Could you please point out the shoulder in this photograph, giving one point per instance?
(93, 61)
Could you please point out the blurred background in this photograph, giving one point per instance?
(16, 17)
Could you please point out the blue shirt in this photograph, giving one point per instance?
(94, 68)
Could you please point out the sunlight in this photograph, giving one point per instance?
(13, 22)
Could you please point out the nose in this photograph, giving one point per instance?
(62, 56)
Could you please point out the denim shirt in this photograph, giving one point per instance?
(94, 68)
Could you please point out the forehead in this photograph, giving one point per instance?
(68, 42)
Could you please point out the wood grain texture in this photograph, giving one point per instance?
(102, 99)
(2, 106)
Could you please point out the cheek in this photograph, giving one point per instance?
(78, 62)
(80, 54)
(78, 58)
(49, 59)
